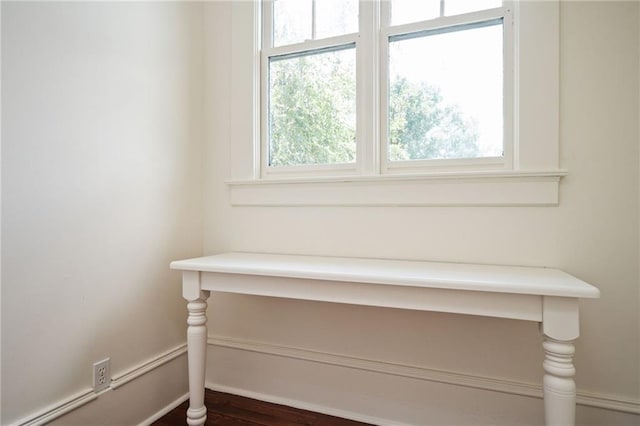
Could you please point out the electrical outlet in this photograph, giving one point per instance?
(101, 375)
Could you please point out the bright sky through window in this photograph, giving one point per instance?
(405, 11)
(466, 68)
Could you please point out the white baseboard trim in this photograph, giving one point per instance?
(73, 402)
(165, 410)
(615, 403)
(303, 405)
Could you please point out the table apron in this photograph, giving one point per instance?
(492, 304)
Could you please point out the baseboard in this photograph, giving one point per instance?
(80, 399)
(416, 372)
(303, 405)
(165, 410)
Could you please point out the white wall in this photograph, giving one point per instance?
(102, 187)
(592, 234)
(101, 178)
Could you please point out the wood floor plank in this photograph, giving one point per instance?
(232, 410)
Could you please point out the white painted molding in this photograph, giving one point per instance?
(495, 188)
(133, 373)
(58, 409)
(608, 402)
(303, 405)
(616, 403)
(66, 405)
(165, 410)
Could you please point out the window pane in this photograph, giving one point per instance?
(445, 94)
(336, 17)
(457, 7)
(292, 21)
(312, 108)
(295, 21)
(406, 11)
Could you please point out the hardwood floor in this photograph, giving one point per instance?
(231, 410)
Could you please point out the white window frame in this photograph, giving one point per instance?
(529, 174)
(364, 84)
(503, 162)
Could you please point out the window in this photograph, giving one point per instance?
(309, 62)
(418, 118)
(415, 84)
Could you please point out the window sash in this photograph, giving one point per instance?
(440, 25)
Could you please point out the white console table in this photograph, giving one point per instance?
(547, 296)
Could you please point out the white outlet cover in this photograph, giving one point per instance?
(101, 375)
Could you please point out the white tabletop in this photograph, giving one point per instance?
(453, 276)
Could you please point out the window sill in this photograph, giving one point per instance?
(504, 188)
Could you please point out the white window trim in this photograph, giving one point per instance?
(532, 180)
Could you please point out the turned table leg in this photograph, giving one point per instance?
(560, 326)
(197, 351)
(196, 345)
(559, 386)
